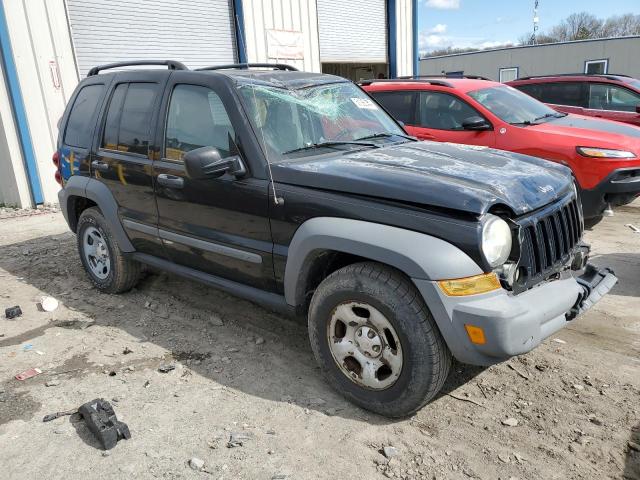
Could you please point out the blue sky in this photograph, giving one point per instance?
(482, 23)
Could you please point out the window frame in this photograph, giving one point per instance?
(460, 99)
(172, 88)
(594, 61)
(105, 114)
(506, 69)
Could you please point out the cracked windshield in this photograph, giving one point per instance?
(317, 119)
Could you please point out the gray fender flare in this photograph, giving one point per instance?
(418, 255)
(98, 192)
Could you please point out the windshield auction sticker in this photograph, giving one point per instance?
(364, 103)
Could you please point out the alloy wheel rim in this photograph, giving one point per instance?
(364, 345)
(96, 253)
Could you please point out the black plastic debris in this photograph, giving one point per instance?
(101, 419)
(53, 416)
(166, 368)
(12, 312)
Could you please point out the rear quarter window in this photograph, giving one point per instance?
(82, 118)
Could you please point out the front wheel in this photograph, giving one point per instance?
(376, 341)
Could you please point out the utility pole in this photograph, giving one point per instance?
(536, 20)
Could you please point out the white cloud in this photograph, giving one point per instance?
(439, 28)
(444, 4)
(429, 41)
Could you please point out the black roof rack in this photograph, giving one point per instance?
(440, 83)
(172, 64)
(246, 66)
(470, 77)
(608, 76)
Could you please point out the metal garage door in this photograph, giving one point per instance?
(195, 32)
(353, 31)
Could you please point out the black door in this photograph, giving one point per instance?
(219, 226)
(123, 154)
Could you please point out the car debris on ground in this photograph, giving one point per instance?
(101, 419)
(32, 372)
(12, 312)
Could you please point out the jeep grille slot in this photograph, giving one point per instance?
(548, 239)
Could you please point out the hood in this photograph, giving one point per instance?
(593, 132)
(462, 177)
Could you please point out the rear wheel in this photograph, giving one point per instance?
(376, 341)
(104, 262)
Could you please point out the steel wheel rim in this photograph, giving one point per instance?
(96, 253)
(364, 345)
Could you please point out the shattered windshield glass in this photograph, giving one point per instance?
(309, 120)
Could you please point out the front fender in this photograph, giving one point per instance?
(418, 255)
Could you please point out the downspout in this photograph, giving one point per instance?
(392, 38)
(19, 112)
(238, 14)
(414, 24)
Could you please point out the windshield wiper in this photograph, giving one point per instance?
(541, 117)
(386, 135)
(334, 143)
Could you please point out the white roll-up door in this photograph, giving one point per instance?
(352, 31)
(196, 32)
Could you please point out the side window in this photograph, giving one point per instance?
(129, 118)
(564, 93)
(197, 118)
(82, 117)
(442, 111)
(401, 105)
(612, 97)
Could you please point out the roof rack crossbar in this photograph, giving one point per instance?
(440, 83)
(609, 76)
(246, 66)
(172, 64)
(470, 77)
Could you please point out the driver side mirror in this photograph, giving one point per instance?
(206, 162)
(476, 123)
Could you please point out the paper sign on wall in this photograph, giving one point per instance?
(285, 44)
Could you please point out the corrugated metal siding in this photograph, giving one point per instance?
(39, 36)
(404, 38)
(197, 33)
(353, 31)
(293, 15)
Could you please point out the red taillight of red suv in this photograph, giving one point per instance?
(56, 161)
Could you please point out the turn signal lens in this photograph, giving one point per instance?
(470, 285)
(476, 334)
(56, 159)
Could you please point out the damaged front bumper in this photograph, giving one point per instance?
(513, 324)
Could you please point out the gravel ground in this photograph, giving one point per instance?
(568, 410)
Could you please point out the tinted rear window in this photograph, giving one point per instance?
(399, 104)
(82, 117)
(565, 93)
(127, 127)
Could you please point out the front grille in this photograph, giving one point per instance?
(548, 239)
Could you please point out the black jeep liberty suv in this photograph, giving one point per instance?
(299, 192)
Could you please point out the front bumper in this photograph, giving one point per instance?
(513, 324)
(619, 188)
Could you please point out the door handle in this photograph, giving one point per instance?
(100, 166)
(172, 181)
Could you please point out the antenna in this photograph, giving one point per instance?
(536, 21)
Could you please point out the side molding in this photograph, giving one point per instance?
(97, 191)
(418, 255)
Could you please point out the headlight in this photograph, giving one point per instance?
(496, 240)
(604, 153)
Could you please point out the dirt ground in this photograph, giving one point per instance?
(243, 370)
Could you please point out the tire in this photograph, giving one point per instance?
(589, 223)
(426, 359)
(115, 273)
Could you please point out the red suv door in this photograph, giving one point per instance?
(438, 116)
(613, 102)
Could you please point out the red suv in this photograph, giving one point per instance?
(614, 97)
(604, 155)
